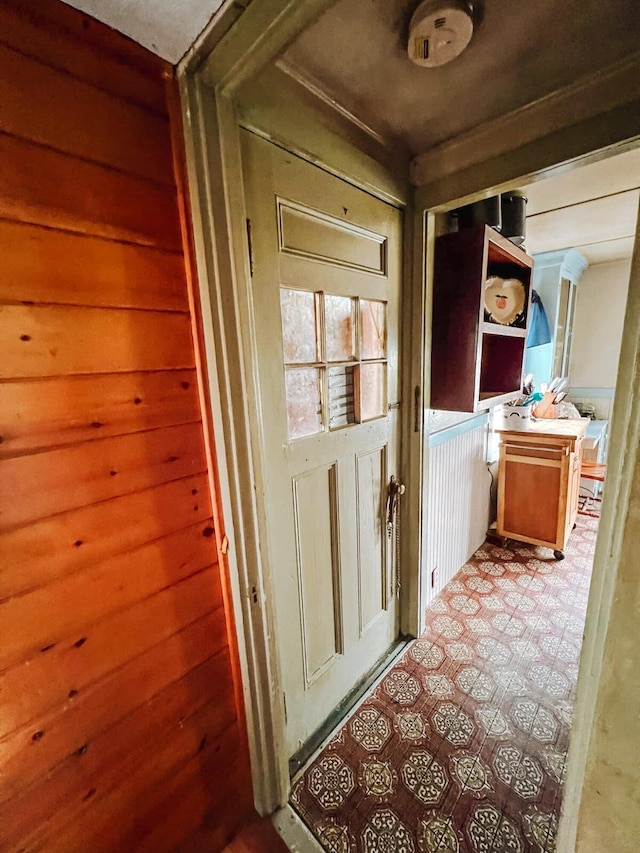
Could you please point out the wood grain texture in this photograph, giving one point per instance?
(43, 340)
(82, 47)
(72, 116)
(46, 187)
(120, 692)
(73, 540)
(60, 673)
(111, 699)
(66, 410)
(79, 600)
(44, 265)
(195, 805)
(539, 482)
(40, 485)
(175, 721)
(185, 776)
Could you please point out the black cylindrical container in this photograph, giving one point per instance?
(514, 216)
(487, 211)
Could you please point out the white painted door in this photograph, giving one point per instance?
(326, 263)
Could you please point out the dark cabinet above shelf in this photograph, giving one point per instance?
(481, 302)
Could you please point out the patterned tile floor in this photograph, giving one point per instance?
(461, 747)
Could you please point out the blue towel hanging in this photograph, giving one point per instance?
(539, 332)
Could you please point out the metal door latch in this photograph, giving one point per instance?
(396, 489)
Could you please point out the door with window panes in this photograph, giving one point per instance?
(326, 261)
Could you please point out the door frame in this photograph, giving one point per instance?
(623, 463)
(209, 78)
(607, 133)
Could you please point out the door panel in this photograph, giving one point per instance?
(311, 234)
(315, 501)
(371, 469)
(324, 333)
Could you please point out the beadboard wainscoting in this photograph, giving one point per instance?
(458, 503)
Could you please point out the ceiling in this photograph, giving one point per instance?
(166, 27)
(356, 54)
(592, 209)
(520, 52)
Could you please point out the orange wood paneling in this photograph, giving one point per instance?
(193, 808)
(83, 48)
(46, 340)
(42, 484)
(122, 724)
(70, 409)
(174, 721)
(58, 674)
(97, 708)
(46, 187)
(173, 787)
(80, 599)
(87, 270)
(70, 541)
(42, 105)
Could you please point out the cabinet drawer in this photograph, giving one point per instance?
(517, 451)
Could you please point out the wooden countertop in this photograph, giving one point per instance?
(550, 428)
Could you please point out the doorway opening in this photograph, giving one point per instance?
(466, 736)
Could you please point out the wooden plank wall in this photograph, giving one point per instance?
(119, 729)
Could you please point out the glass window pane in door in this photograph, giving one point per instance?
(338, 316)
(304, 411)
(373, 324)
(298, 310)
(373, 391)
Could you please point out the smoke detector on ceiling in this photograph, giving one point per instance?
(439, 31)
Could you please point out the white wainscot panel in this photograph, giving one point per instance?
(458, 507)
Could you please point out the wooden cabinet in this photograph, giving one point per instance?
(539, 482)
(476, 359)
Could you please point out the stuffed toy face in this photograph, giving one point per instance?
(504, 299)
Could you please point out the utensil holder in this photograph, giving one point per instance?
(515, 417)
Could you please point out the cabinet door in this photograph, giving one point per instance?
(532, 492)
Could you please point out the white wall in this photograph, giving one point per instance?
(597, 328)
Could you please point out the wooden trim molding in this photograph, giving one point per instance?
(216, 191)
(263, 31)
(304, 78)
(617, 540)
(280, 108)
(204, 391)
(608, 89)
(535, 160)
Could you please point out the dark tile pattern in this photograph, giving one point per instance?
(462, 745)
